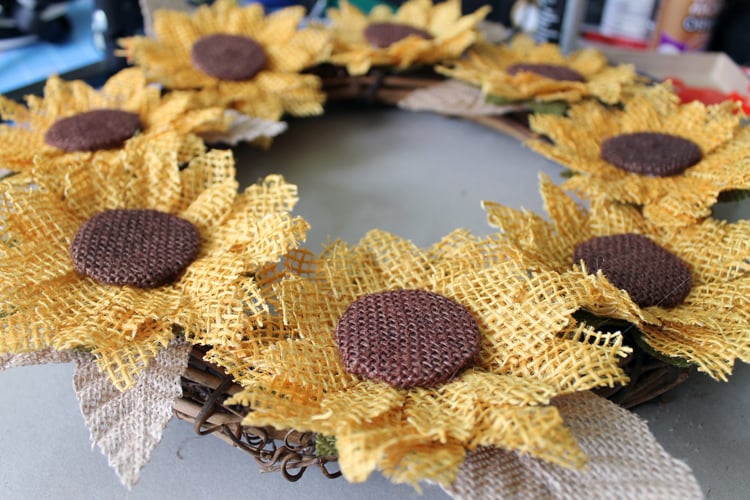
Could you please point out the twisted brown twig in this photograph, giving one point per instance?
(206, 387)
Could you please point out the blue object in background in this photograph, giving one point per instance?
(30, 64)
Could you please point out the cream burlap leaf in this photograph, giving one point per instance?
(455, 98)
(624, 461)
(127, 425)
(244, 128)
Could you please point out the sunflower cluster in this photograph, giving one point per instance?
(123, 230)
(522, 71)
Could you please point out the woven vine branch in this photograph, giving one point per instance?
(205, 388)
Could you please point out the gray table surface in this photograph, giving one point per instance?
(414, 174)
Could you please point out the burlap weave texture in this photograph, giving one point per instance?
(278, 89)
(23, 137)
(531, 350)
(486, 66)
(625, 462)
(683, 199)
(451, 34)
(711, 328)
(47, 304)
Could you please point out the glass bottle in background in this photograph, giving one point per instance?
(559, 22)
(630, 19)
(685, 25)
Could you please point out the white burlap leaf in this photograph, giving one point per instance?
(128, 425)
(43, 357)
(454, 98)
(625, 461)
(245, 128)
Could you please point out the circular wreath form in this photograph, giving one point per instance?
(480, 341)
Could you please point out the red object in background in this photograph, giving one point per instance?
(707, 95)
(617, 41)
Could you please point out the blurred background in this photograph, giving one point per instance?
(77, 39)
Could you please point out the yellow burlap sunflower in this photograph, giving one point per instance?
(126, 91)
(490, 66)
(60, 290)
(530, 349)
(710, 327)
(682, 198)
(276, 88)
(450, 34)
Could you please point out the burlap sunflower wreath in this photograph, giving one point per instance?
(478, 362)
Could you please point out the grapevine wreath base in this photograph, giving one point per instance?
(496, 365)
(206, 387)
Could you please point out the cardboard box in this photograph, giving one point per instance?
(699, 69)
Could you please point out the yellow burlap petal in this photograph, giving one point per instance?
(542, 243)
(65, 305)
(713, 305)
(715, 250)
(507, 299)
(159, 303)
(277, 89)
(150, 181)
(267, 96)
(213, 204)
(710, 351)
(283, 405)
(538, 431)
(348, 273)
(400, 262)
(486, 66)
(125, 362)
(271, 238)
(184, 113)
(240, 359)
(437, 463)
(361, 448)
(360, 404)
(450, 412)
(452, 34)
(460, 254)
(219, 300)
(309, 364)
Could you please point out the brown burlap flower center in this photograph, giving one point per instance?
(384, 34)
(228, 57)
(138, 247)
(93, 130)
(652, 275)
(551, 71)
(651, 153)
(407, 338)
